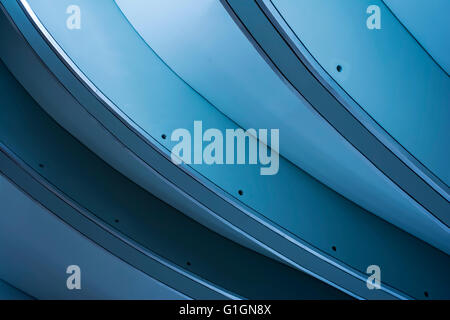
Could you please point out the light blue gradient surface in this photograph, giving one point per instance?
(164, 102)
(428, 22)
(231, 74)
(385, 71)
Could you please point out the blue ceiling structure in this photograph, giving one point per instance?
(87, 176)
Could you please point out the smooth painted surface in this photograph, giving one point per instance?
(385, 71)
(428, 23)
(319, 226)
(36, 249)
(187, 247)
(22, 60)
(8, 292)
(228, 71)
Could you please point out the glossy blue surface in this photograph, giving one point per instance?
(391, 77)
(155, 100)
(428, 23)
(8, 292)
(94, 201)
(42, 247)
(231, 74)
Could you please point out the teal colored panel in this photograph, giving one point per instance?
(8, 292)
(83, 177)
(428, 23)
(126, 70)
(236, 79)
(37, 247)
(385, 71)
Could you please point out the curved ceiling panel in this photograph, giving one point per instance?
(42, 231)
(23, 60)
(413, 106)
(428, 23)
(231, 74)
(67, 193)
(106, 175)
(8, 292)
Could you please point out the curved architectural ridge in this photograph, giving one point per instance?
(426, 23)
(431, 196)
(84, 139)
(108, 209)
(230, 65)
